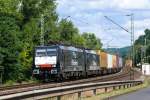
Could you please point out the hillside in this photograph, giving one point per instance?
(122, 51)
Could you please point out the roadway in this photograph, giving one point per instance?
(143, 94)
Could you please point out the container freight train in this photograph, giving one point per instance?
(59, 62)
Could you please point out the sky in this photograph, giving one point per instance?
(88, 16)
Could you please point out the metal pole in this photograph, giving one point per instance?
(145, 52)
(133, 39)
(133, 54)
(130, 73)
(141, 56)
(132, 34)
(42, 30)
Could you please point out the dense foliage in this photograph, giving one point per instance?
(20, 33)
(142, 48)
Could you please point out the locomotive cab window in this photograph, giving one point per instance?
(51, 52)
(45, 52)
(74, 55)
(95, 60)
(40, 52)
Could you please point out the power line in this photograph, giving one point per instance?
(116, 24)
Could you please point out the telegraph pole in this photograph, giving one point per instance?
(42, 30)
(131, 32)
(145, 57)
(132, 42)
(132, 37)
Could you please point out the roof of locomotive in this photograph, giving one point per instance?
(71, 48)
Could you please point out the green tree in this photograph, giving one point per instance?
(78, 40)
(10, 46)
(67, 31)
(20, 33)
(91, 41)
(32, 12)
(140, 47)
(30, 27)
(10, 7)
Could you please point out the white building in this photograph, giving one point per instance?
(146, 69)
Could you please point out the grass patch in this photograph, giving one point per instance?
(9, 83)
(14, 82)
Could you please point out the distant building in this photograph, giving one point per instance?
(146, 69)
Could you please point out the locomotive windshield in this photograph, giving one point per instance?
(41, 52)
(45, 56)
(51, 52)
(45, 52)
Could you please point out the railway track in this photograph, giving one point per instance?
(18, 86)
(23, 85)
(124, 75)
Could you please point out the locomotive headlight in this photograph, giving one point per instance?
(36, 71)
(37, 66)
(54, 71)
(54, 65)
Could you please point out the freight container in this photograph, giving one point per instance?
(72, 58)
(110, 62)
(92, 60)
(117, 60)
(114, 61)
(128, 63)
(120, 62)
(103, 60)
(98, 52)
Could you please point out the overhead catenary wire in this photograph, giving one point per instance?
(116, 24)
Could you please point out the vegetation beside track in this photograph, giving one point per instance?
(14, 83)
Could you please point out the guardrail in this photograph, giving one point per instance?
(60, 91)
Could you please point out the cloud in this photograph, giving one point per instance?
(132, 4)
(138, 33)
(88, 16)
(104, 4)
(139, 26)
(145, 23)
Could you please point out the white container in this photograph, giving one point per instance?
(146, 69)
(120, 62)
(110, 61)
